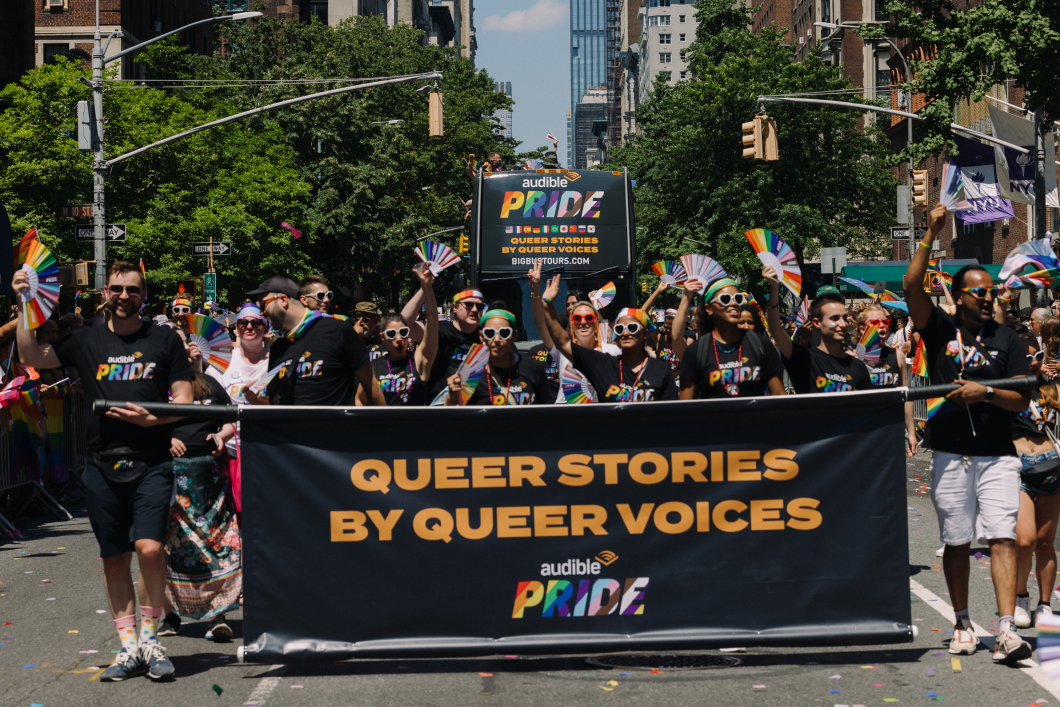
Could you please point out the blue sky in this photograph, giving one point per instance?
(527, 42)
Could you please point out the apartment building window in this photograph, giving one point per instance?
(658, 20)
(682, 57)
(667, 74)
(664, 57)
(680, 18)
(664, 38)
(684, 75)
(658, 3)
(681, 37)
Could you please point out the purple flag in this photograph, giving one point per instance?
(976, 163)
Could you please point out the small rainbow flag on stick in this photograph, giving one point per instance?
(920, 367)
(870, 346)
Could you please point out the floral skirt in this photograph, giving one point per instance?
(204, 568)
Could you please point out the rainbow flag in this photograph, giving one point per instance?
(936, 406)
(920, 361)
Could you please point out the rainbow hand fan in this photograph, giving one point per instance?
(1037, 253)
(952, 195)
(471, 370)
(212, 339)
(1048, 627)
(920, 367)
(43, 274)
(576, 388)
(258, 387)
(437, 256)
(803, 314)
(777, 254)
(603, 332)
(533, 164)
(702, 268)
(870, 346)
(670, 272)
(603, 297)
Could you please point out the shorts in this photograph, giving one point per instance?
(1039, 486)
(976, 497)
(123, 512)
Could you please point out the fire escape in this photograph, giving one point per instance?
(613, 76)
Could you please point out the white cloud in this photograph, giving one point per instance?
(544, 14)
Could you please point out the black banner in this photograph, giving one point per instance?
(769, 521)
(580, 221)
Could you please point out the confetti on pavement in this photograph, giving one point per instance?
(217, 689)
(955, 663)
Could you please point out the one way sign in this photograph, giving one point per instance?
(86, 233)
(219, 248)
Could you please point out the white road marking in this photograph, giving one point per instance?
(267, 685)
(1027, 667)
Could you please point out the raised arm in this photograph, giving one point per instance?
(920, 305)
(29, 351)
(653, 296)
(1004, 296)
(428, 349)
(560, 338)
(536, 303)
(410, 310)
(677, 328)
(776, 328)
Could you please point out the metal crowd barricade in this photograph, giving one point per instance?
(919, 406)
(74, 427)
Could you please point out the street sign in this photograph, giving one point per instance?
(209, 287)
(74, 211)
(219, 248)
(86, 232)
(901, 233)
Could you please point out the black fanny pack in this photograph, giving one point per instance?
(1042, 479)
(123, 464)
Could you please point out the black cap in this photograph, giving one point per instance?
(279, 284)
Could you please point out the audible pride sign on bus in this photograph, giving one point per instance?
(579, 220)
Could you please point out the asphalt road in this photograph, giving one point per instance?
(56, 637)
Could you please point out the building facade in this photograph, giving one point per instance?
(504, 117)
(588, 62)
(67, 27)
(590, 128)
(17, 49)
(776, 14)
(667, 28)
(629, 67)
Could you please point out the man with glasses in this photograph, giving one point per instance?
(975, 473)
(822, 367)
(455, 338)
(323, 359)
(315, 293)
(366, 317)
(180, 310)
(128, 477)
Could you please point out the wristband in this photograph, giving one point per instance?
(546, 299)
(924, 245)
(1004, 299)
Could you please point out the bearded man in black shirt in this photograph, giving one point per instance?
(129, 474)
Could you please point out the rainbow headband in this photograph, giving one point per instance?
(181, 299)
(467, 294)
(637, 314)
(499, 313)
(718, 284)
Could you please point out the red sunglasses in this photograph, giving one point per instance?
(583, 318)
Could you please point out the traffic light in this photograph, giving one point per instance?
(463, 246)
(435, 115)
(920, 189)
(644, 287)
(188, 288)
(760, 139)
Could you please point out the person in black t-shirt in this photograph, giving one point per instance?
(728, 361)
(633, 377)
(509, 379)
(826, 367)
(128, 476)
(322, 358)
(974, 470)
(455, 338)
(542, 354)
(890, 370)
(402, 374)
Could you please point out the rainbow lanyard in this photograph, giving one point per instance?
(739, 359)
(962, 357)
(411, 375)
(311, 315)
(622, 377)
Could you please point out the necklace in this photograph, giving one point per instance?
(732, 389)
(507, 388)
(411, 375)
(622, 377)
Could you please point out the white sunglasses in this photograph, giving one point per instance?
(505, 333)
(392, 334)
(630, 329)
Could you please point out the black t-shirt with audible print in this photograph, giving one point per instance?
(193, 432)
(814, 371)
(543, 356)
(140, 368)
(742, 372)
(616, 382)
(885, 373)
(525, 383)
(995, 352)
(375, 348)
(1033, 421)
(319, 367)
(398, 381)
(453, 345)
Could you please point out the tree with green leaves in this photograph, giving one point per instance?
(976, 47)
(831, 187)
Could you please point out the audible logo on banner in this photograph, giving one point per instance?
(703, 523)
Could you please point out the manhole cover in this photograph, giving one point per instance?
(665, 662)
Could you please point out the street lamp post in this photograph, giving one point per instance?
(909, 123)
(99, 162)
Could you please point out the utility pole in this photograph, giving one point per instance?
(1039, 177)
(99, 251)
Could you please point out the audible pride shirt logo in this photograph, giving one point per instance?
(125, 368)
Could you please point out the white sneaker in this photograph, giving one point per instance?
(964, 641)
(1021, 617)
(1042, 609)
(1010, 648)
(941, 551)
